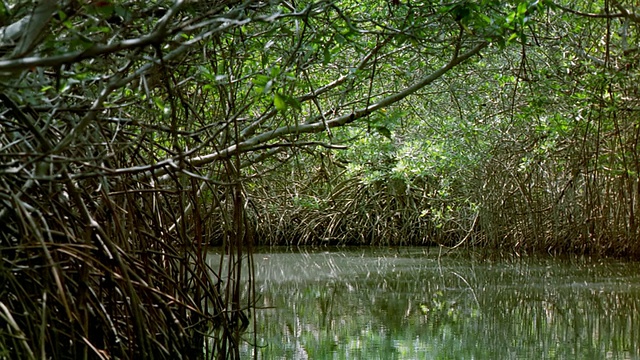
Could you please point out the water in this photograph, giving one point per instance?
(410, 303)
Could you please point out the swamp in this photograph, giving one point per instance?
(416, 303)
(293, 179)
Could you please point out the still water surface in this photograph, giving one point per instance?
(411, 303)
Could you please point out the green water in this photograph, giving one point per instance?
(411, 303)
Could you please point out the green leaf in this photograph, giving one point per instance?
(159, 103)
(267, 87)
(293, 102)
(104, 8)
(261, 80)
(522, 9)
(384, 131)
(327, 56)
(123, 12)
(279, 101)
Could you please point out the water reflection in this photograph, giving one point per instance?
(412, 304)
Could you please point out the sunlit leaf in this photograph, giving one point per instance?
(267, 87)
(279, 101)
(261, 80)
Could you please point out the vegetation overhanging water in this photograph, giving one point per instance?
(134, 135)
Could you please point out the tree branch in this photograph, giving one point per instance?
(156, 36)
(624, 13)
(318, 126)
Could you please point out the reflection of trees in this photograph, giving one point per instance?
(372, 310)
(530, 310)
(555, 310)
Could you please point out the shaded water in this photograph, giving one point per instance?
(409, 303)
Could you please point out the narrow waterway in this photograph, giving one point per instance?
(411, 303)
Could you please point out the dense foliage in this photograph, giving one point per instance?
(532, 146)
(134, 134)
